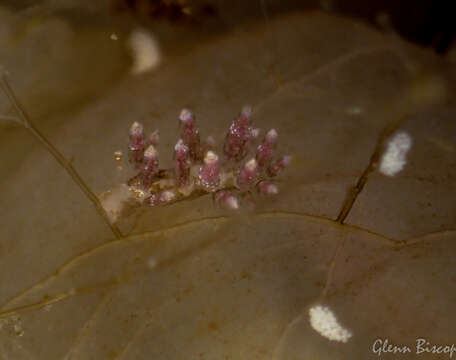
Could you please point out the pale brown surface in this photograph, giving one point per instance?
(238, 287)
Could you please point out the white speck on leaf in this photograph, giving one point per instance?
(145, 51)
(323, 321)
(394, 158)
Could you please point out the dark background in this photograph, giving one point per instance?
(428, 23)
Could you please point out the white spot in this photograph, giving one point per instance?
(272, 135)
(232, 202)
(145, 51)
(136, 129)
(185, 115)
(151, 152)
(210, 157)
(251, 165)
(118, 155)
(114, 201)
(394, 158)
(323, 321)
(167, 196)
(114, 37)
(180, 146)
